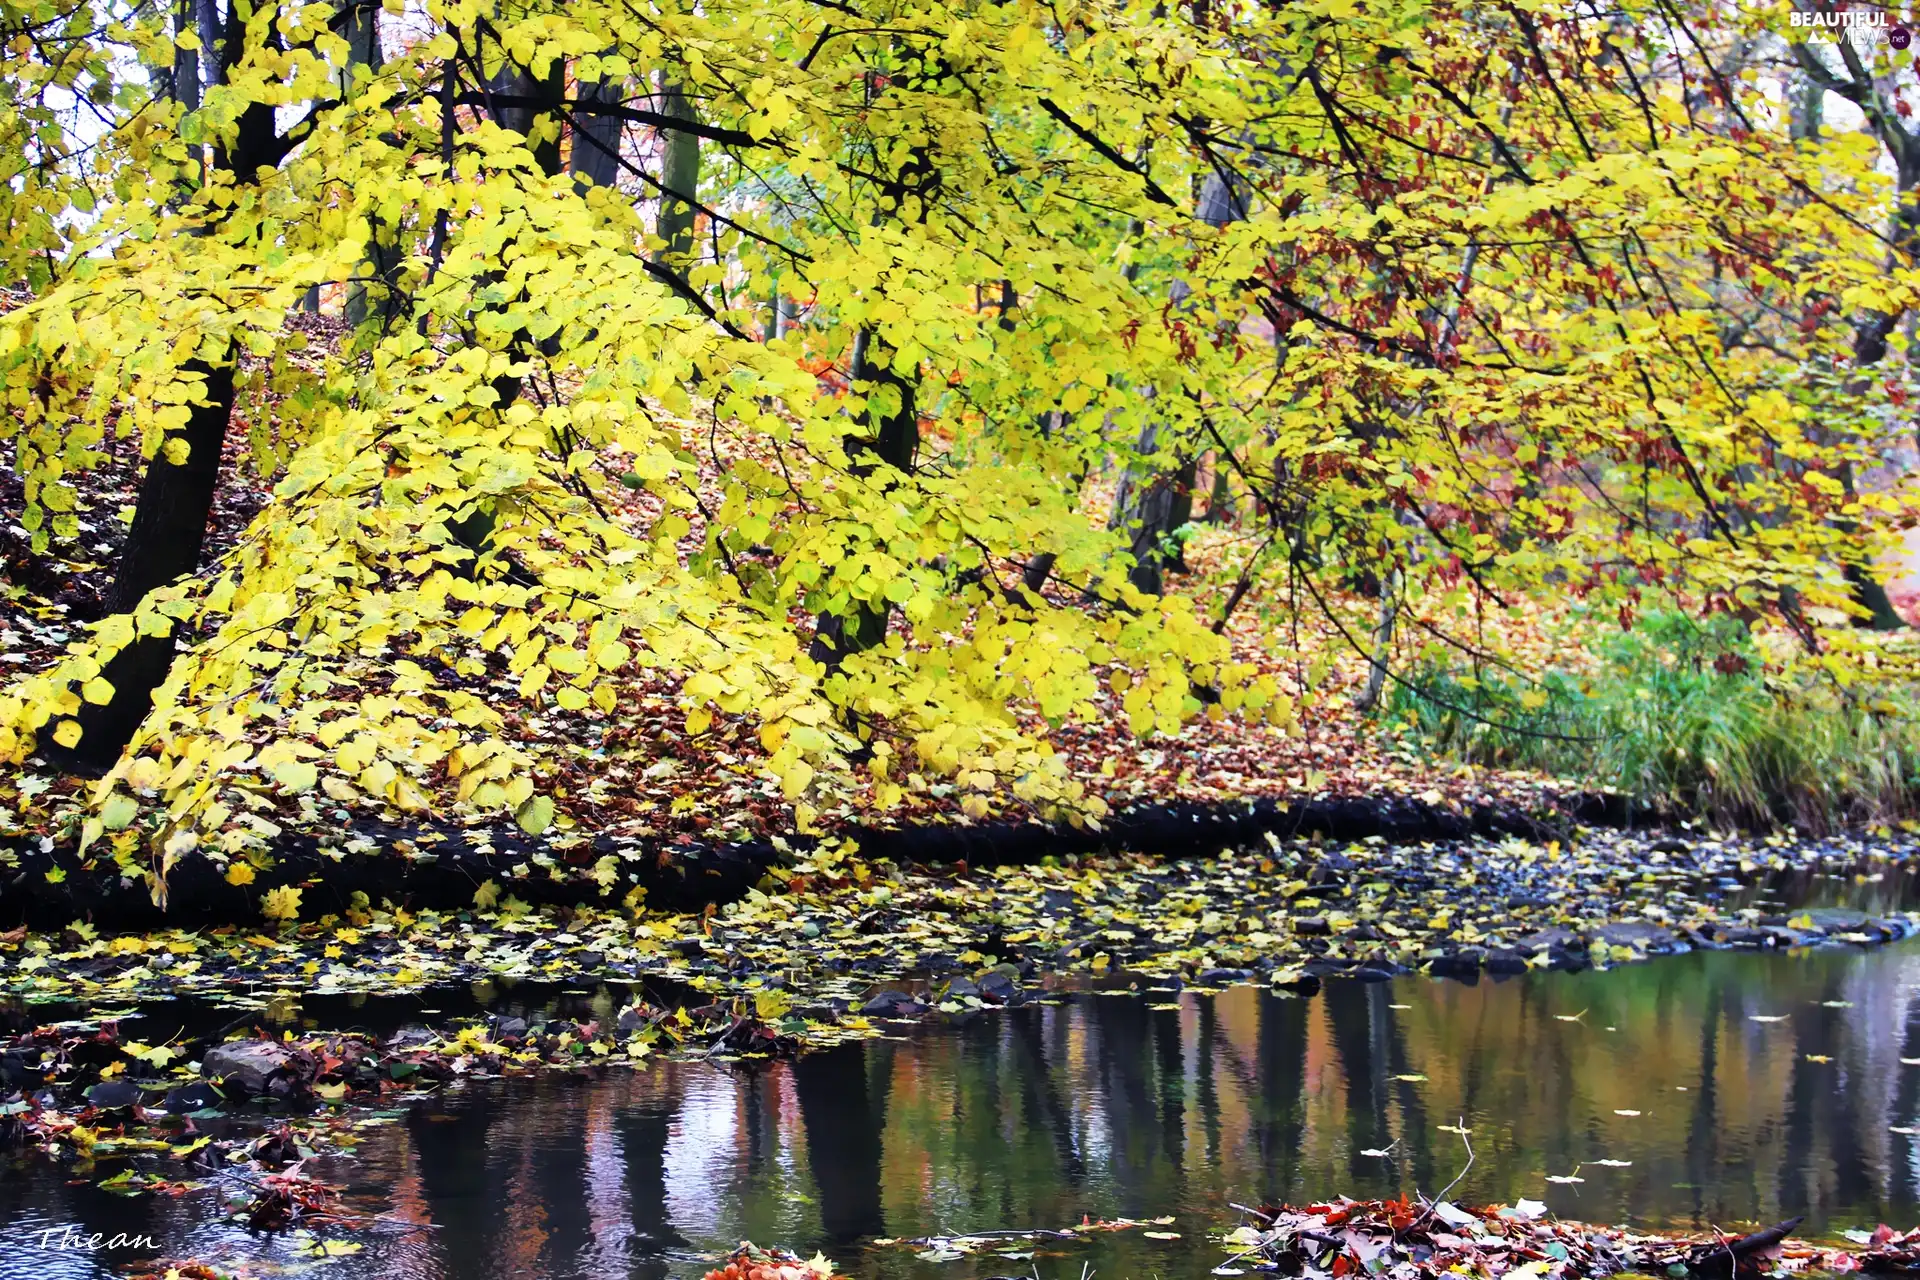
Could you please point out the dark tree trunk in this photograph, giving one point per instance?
(169, 530)
(176, 499)
(361, 27)
(894, 443)
(1151, 511)
(595, 157)
(679, 177)
(1155, 507)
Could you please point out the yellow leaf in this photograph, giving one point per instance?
(296, 775)
(536, 815)
(281, 904)
(119, 810)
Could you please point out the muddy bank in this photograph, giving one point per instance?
(434, 867)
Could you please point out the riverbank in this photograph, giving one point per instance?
(835, 933)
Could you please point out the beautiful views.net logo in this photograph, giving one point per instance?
(1858, 27)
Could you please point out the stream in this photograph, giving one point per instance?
(1737, 1087)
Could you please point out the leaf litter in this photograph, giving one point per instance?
(1407, 1239)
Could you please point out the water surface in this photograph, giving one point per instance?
(1106, 1106)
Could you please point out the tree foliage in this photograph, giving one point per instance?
(1520, 301)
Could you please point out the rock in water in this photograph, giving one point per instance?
(252, 1066)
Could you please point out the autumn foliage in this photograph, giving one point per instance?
(1466, 307)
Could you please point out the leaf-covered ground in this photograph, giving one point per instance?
(837, 929)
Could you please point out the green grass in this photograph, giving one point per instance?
(1680, 715)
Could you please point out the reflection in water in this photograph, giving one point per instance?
(1138, 1105)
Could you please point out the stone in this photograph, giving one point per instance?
(1835, 919)
(198, 1096)
(410, 1038)
(253, 1066)
(114, 1094)
(509, 1028)
(1223, 977)
(1505, 960)
(998, 984)
(1554, 938)
(1462, 964)
(1640, 935)
(892, 1004)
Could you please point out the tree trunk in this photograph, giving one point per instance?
(170, 517)
(1369, 698)
(1869, 348)
(1220, 497)
(169, 530)
(679, 176)
(1154, 508)
(895, 419)
(362, 31)
(595, 157)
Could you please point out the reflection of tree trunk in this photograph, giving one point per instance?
(1040, 1094)
(1206, 1094)
(1413, 1109)
(1703, 1125)
(557, 1165)
(1816, 1106)
(1280, 1107)
(458, 1185)
(1350, 1010)
(1906, 1150)
(843, 1104)
(1129, 1103)
(643, 1134)
(1173, 1084)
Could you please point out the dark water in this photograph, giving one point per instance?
(1106, 1106)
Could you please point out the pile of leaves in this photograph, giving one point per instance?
(751, 1262)
(1406, 1238)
